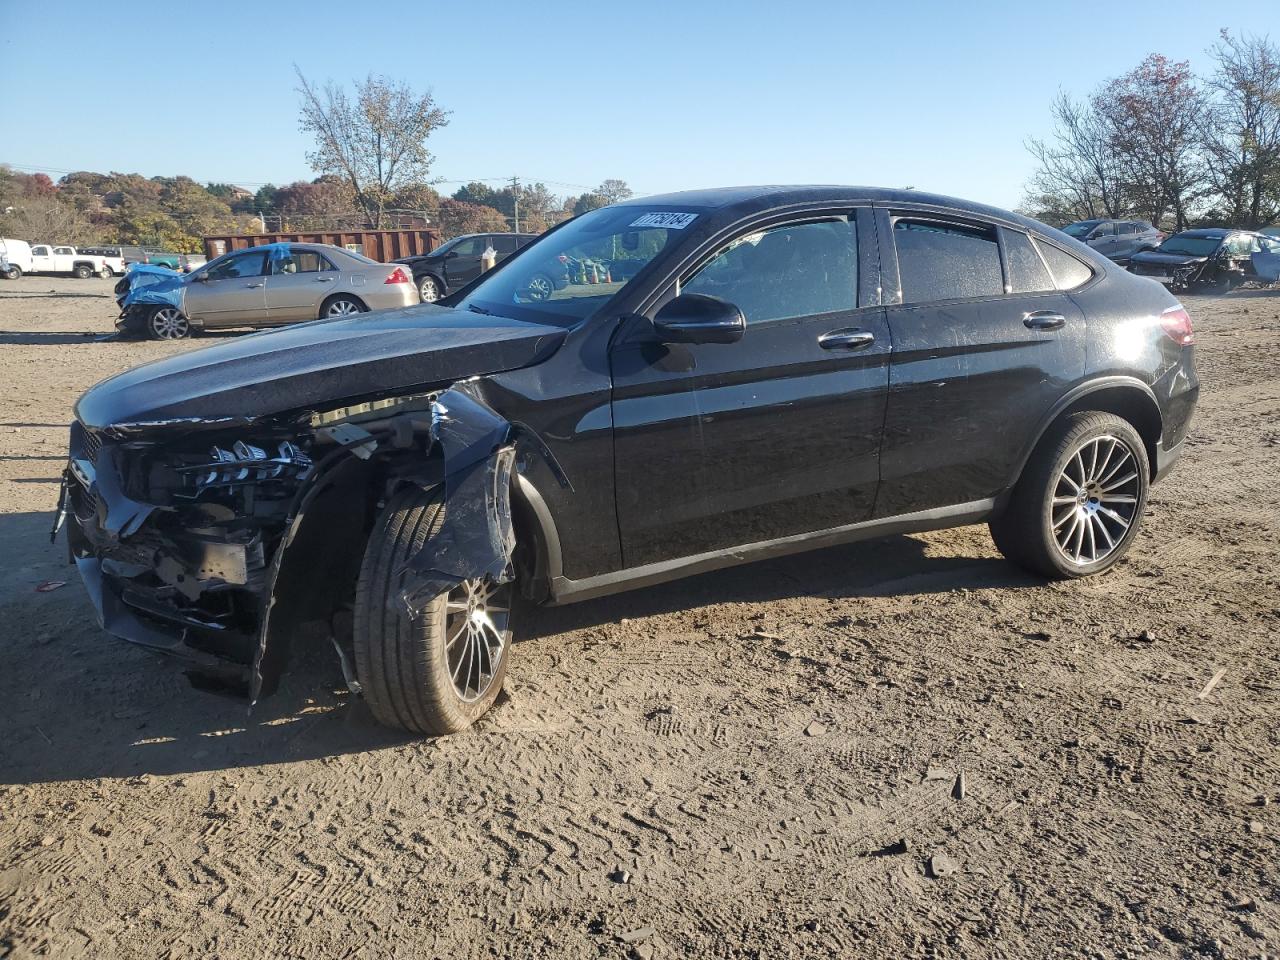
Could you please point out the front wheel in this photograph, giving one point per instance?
(167, 323)
(540, 287)
(429, 289)
(13, 273)
(441, 670)
(1078, 504)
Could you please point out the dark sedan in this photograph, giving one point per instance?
(1213, 258)
(740, 374)
(458, 261)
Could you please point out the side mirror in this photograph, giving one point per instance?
(696, 318)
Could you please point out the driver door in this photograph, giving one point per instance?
(462, 263)
(228, 292)
(718, 445)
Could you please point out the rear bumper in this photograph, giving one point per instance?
(1165, 459)
(389, 296)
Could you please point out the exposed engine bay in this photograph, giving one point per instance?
(220, 541)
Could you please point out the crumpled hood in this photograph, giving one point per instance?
(319, 364)
(1156, 258)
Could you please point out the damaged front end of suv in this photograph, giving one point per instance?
(220, 541)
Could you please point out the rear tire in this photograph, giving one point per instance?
(83, 271)
(342, 305)
(438, 672)
(429, 289)
(1079, 502)
(107, 273)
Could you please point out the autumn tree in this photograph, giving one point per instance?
(376, 140)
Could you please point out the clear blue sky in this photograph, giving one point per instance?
(938, 95)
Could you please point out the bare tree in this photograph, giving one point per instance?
(1242, 130)
(1154, 118)
(613, 191)
(1078, 170)
(46, 220)
(376, 141)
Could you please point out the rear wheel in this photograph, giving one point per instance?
(107, 273)
(341, 305)
(83, 271)
(167, 323)
(540, 287)
(1078, 504)
(440, 671)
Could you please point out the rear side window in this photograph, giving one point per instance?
(1027, 272)
(942, 261)
(1068, 272)
(504, 244)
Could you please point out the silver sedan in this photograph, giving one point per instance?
(263, 287)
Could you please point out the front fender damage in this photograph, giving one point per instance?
(472, 456)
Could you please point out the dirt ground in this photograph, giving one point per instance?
(903, 748)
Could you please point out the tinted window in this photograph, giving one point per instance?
(1129, 228)
(504, 244)
(1027, 273)
(790, 271)
(245, 265)
(1068, 272)
(470, 247)
(940, 261)
(301, 261)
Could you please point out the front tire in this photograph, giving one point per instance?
(167, 323)
(440, 671)
(1080, 500)
(429, 289)
(13, 273)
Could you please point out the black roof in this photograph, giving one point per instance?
(723, 199)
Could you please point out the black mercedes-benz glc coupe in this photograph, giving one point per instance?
(726, 375)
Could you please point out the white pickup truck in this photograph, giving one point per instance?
(49, 259)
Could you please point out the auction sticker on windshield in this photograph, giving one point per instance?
(672, 221)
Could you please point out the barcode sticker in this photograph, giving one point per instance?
(672, 221)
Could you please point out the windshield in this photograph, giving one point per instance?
(1080, 230)
(1190, 246)
(567, 275)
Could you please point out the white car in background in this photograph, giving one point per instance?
(50, 259)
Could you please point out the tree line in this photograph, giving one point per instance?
(1161, 144)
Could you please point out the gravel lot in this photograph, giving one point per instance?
(904, 748)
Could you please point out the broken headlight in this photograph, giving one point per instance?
(246, 463)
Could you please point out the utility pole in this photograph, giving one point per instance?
(515, 194)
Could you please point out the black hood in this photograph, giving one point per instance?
(318, 364)
(1156, 258)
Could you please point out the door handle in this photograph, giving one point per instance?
(1043, 320)
(848, 339)
(252, 285)
(324, 280)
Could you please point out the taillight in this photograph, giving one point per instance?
(1177, 326)
(397, 276)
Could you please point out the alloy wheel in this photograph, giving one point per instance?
(477, 632)
(430, 292)
(540, 288)
(342, 308)
(1095, 500)
(168, 323)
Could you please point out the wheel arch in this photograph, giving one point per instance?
(324, 304)
(1127, 397)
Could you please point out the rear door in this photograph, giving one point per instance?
(722, 445)
(984, 345)
(230, 292)
(298, 285)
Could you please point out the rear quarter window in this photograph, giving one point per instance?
(1027, 272)
(1068, 272)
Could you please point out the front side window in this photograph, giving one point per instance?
(567, 274)
(245, 265)
(1079, 230)
(1027, 272)
(469, 247)
(40, 251)
(940, 260)
(301, 261)
(791, 271)
(1103, 230)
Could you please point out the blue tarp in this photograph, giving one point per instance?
(150, 284)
